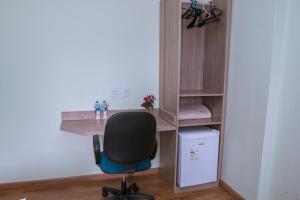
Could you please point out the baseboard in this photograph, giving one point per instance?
(72, 180)
(231, 191)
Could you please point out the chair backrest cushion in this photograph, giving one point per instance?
(129, 137)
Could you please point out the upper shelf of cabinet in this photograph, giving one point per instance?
(200, 93)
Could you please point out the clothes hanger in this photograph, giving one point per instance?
(197, 19)
(196, 15)
(201, 16)
(190, 11)
(215, 15)
(205, 11)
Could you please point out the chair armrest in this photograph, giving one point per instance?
(97, 149)
(154, 150)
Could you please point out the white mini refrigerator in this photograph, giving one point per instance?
(197, 156)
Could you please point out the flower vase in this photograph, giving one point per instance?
(149, 109)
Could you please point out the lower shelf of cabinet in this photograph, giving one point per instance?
(200, 122)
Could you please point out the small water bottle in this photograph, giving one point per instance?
(104, 110)
(97, 110)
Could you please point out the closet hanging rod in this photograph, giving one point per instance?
(198, 2)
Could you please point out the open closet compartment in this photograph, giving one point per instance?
(193, 71)
(203, 52)
(213, 104)
(203, 64)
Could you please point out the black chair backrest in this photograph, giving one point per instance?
(129, 137)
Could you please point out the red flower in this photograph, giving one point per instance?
(149, 102)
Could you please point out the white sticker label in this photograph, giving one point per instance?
(194, 154)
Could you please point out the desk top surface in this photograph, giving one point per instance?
(83, 122)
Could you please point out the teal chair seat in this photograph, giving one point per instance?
(110, 167)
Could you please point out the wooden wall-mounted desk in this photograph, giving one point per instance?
(84, 123)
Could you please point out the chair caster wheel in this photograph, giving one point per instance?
(104, 193)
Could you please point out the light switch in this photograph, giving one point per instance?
(114, 93)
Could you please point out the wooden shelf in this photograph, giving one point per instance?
(200, 93)
(200, 122)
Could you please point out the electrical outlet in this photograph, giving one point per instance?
(114, 93)
(125, 93)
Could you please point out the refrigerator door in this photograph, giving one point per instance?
(198, 158)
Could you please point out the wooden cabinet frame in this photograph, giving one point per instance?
(193, 68)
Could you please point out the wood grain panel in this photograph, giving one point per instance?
(215, 51)
(169, 117)
(200, 122)
(86, 115)
(226, 6)
(190, 101)
(199, 93)
(192, 56)
(170, 37)
(168, 157)
(170, 50)
(161, 51)
(214, 104)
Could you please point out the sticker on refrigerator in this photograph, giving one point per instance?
(194, 154)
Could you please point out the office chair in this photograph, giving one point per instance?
(129, 146)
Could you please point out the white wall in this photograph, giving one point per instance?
(262, 127)
(275, 89)
(284, 179)
(248, 88)
(60, 56)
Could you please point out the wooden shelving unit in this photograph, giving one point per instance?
(193, 70)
